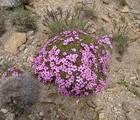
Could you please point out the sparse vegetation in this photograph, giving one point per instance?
(120, 39)
(89, 13)
(59, 21)
(122, 2)
(1, 26)
(130, 88)
(4, 66)
(23, 19)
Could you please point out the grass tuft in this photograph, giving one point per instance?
(59, 21)
(23, 20)
(89, 13)
(120, 39)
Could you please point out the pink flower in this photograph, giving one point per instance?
(15, 74)
(73, 49)
(76, 74)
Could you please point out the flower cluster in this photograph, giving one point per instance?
(75, 61)
(12, 71)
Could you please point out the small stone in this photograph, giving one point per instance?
(41, 113)
(30, 8)
(10, 116)
(88, 1)
(30, 33)
(105, 18)
(32, 117)
(14, 42)
(111, 15)
(135, 36)
(125, 9)
(4, 111)
(102, 116)
(22, 48)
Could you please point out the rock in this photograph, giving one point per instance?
(30, 33)
(105, 18)
(134, 36)
(133, 116)
(30, 8)
(10, 116)
(125, 9)
(32, 117)
(7, 3)
(4, 111)
(41, 113)
(14, 42)
(12, 3)
(88, 1)
(102, 116)
(22, 90)
(22, 48)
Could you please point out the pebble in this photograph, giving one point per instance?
(102, 116)
(30, 33)
(22, 48)
(32, 117)
(41, 113)
(105, 18)
(125, 9)
(4, 110)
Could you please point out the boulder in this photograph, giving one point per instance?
(14, 42)
(12, 3)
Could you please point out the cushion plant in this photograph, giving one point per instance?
(76, 61)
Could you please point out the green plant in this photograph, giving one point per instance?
(89, 13)
(130, 88)
(23, 19)
(4, 66)
(120, 39)
(59, 21)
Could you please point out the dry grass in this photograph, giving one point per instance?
(59, 21)
(23, 20)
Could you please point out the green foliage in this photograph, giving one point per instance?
(4, 66)
(23, 19)
(120, 39)
(124, 83)
(57, 22)
(89, 13)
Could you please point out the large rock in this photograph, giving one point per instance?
(12, 3)
(14, 42)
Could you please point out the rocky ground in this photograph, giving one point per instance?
(116, 102)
